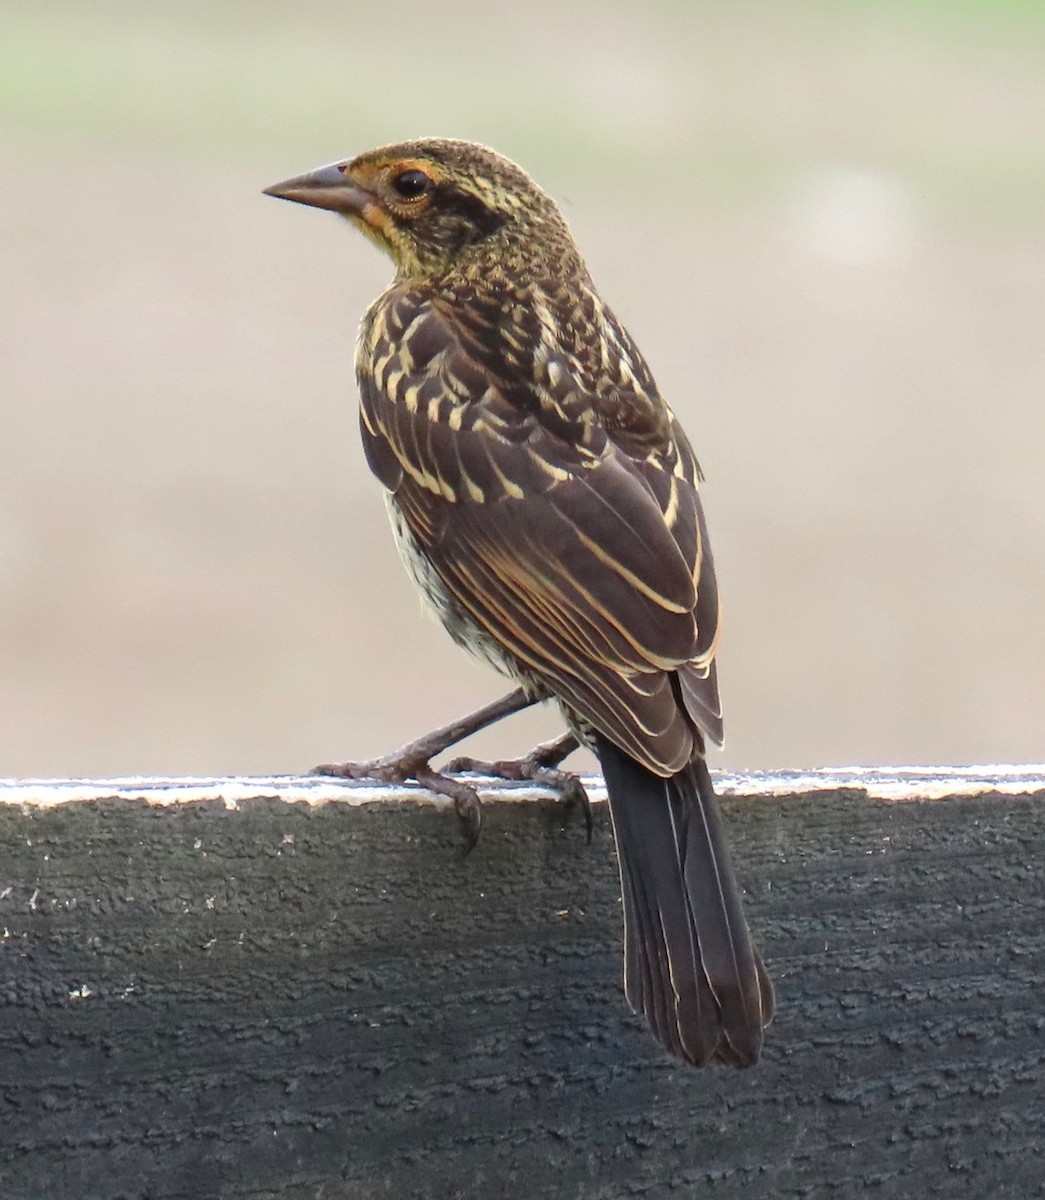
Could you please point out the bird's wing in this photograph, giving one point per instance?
(575, 559)
(641, 424)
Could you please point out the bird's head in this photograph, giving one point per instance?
(438, 204)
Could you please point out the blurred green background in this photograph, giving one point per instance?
(823, 222)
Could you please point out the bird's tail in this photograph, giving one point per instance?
(689, 963)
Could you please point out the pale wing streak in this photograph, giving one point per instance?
(657, 598)
(543, 595)
(647, 659)
(630, 577)
(592, 701)
(554, 617)
(567, 636)
(511, 489)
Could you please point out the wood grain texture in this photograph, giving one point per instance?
(321, 1001)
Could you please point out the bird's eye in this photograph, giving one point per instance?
(411, 185)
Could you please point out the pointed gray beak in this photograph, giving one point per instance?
(326, 187)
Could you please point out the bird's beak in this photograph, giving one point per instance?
(326, 187)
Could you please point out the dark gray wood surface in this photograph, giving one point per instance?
(322, 1001)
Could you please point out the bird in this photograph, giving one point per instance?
(544, 497)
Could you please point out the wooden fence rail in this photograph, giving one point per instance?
(301, 989)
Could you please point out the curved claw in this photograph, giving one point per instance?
(412, 761)
(468, 806)
(466, 800)
(571, 791)
(540, 766)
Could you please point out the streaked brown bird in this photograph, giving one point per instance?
(544, 498)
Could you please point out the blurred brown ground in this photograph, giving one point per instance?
(824, 224)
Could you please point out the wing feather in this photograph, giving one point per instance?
(581, 554)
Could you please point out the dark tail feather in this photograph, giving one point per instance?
(689, 964)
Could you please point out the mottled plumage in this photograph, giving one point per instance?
(545, 499)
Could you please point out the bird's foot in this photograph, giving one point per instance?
(405, 767)
(540, 766)
(413, 762)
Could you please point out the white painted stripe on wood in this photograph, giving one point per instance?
(882, 783)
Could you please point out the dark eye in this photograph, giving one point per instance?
(411, 185)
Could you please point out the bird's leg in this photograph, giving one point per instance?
(412, 760)
(541, 766)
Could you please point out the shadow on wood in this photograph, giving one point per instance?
(319, 1000)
